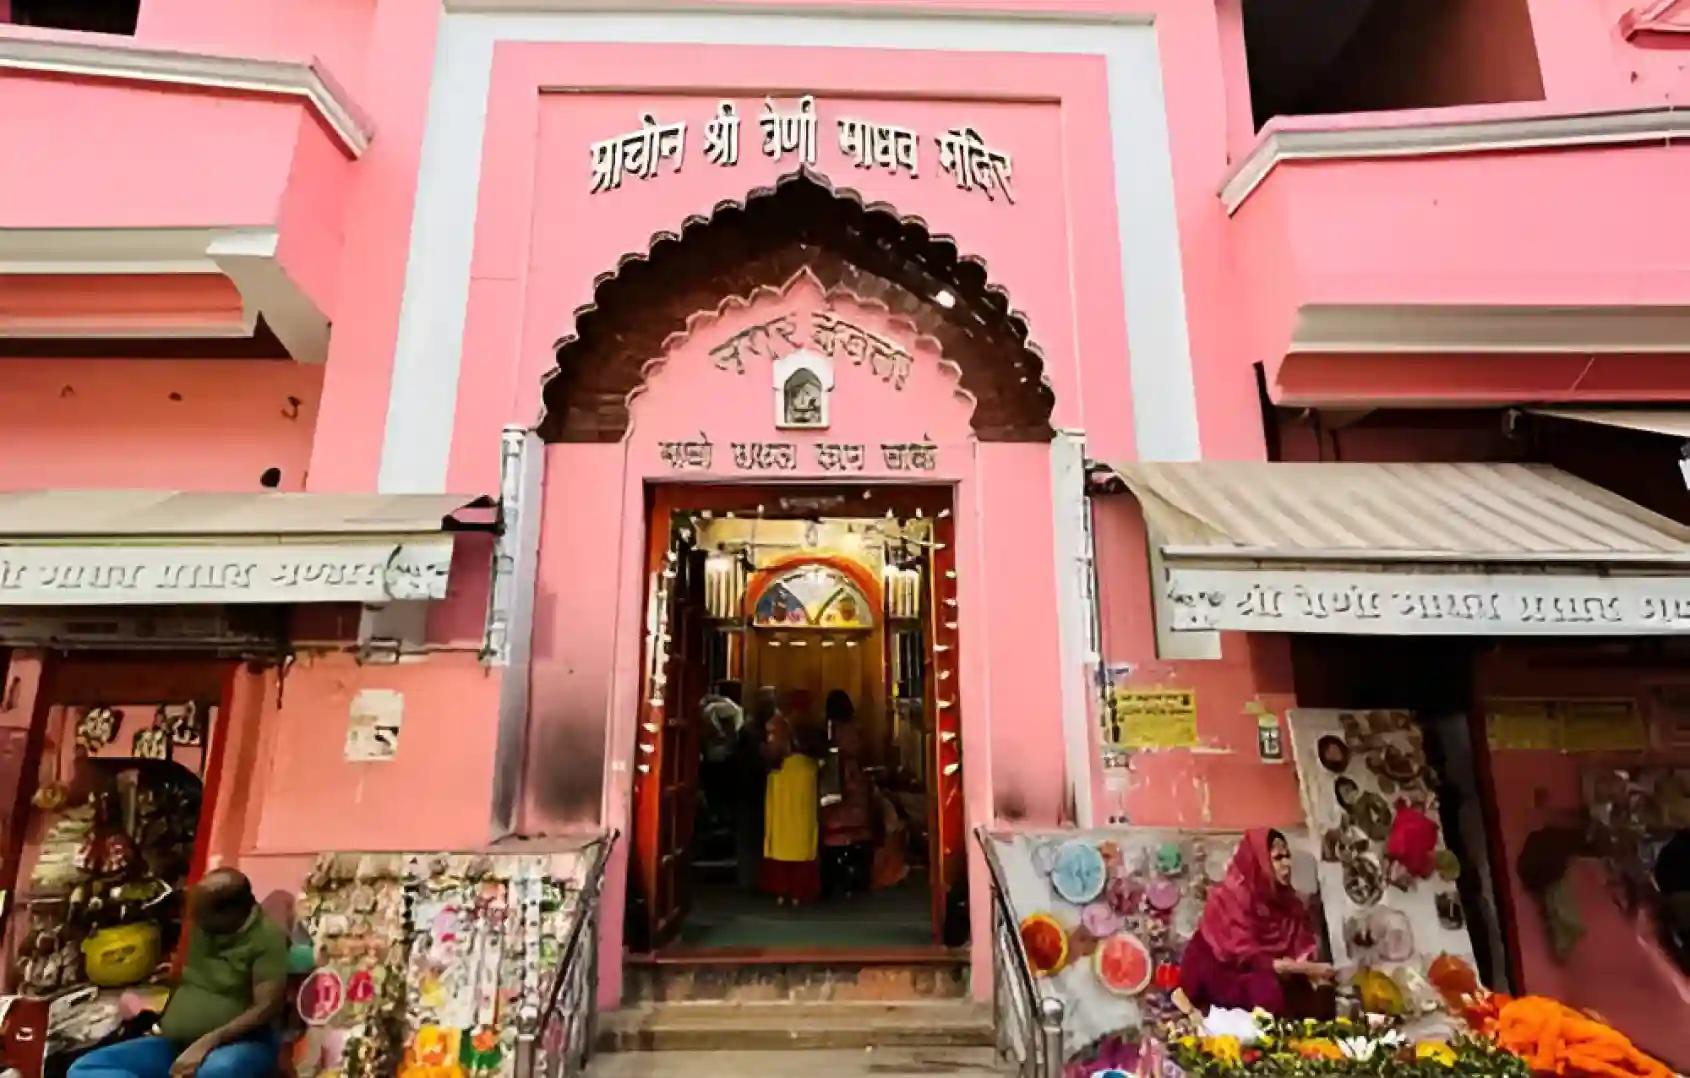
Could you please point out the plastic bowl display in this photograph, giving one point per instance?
(1046, 943)
(1122, 964)
(1079, 873)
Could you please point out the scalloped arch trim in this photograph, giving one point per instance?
(801, 226)
(701, 321)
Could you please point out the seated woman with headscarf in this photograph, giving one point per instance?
(1255, 933)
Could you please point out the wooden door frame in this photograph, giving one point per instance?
(937, 500)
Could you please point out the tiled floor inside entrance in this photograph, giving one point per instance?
(725, 917)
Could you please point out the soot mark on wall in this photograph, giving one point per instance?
(567, 768)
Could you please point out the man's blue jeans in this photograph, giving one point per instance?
(151, 1057)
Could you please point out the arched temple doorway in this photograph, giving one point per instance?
(805, 442)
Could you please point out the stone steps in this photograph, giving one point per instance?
(881, 1062)
(748, 980)
(796, 1026)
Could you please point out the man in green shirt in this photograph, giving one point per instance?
(220, 1022)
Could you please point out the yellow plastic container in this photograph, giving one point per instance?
(122, 956)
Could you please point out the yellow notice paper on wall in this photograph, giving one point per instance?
(1522, 724)
(1155, 718)
(1602, 726)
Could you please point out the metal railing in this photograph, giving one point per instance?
(1028, 1023)
(560, 1041)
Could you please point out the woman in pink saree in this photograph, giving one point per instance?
(1254, 933)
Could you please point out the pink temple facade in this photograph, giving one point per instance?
(350, 247)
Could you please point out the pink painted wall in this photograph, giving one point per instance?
(1467, 229)
(168, 156)
(1383, 231)
(117, 423)
(306, 797)
(153, 156)
(1222, 782)
(542, 237)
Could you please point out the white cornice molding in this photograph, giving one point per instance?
(280, 78)
(247, 256)
(107, 250)
(1490, 329)
(1655, 123)
(910, 9)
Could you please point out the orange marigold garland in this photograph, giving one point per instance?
(1556, 1039)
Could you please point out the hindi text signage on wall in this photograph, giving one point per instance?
(1429, 604)
(656, 147)
(699, 455)
(365, 571)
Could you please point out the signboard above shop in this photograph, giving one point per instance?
(167, 548)
(350, 572)
(1416, 549)
(1426, 603)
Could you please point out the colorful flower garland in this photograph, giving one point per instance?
(1309, 1049)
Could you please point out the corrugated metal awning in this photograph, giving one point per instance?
(1396, 512)
(30, 515)
(1674, 422)
(1405, 549)
(126, 548)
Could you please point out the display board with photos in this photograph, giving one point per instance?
(1389, 882)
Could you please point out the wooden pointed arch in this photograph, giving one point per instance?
(802, 222)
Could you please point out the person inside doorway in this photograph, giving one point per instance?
(1256, 933)
(221, 1020)
(846, 823)
(721, 717)
(750, 769)
(1672, 888)
(790, 828)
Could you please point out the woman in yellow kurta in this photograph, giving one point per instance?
(790, 832)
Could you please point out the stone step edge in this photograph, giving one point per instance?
(920, 1011)
(719, 1038)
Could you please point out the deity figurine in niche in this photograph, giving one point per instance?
(803, 381)
(803, 400)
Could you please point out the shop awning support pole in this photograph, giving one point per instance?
(510, 613)
(1073, 595)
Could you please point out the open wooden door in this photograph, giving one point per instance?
(667, 748)
(947, 840)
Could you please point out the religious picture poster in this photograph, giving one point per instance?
(1566, 725)
(1670, 717)
(1153, 718)
(1521, 725)
(372, 731)
(1388, 883)
(1602, 726)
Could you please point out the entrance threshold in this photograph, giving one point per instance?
(935, 955)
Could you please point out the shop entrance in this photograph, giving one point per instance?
(804, 622)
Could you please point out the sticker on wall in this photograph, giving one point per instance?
(185, 722)
(152, 743)
(1270, 741)
(1154, 718)
(372, 731)
(97, 728)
